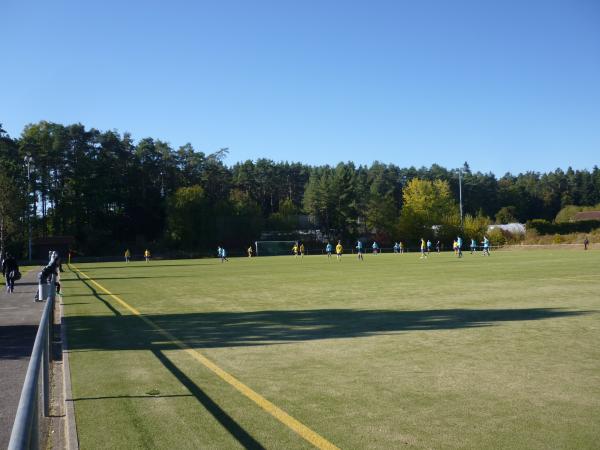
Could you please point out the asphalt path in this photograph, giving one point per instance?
(19, 320)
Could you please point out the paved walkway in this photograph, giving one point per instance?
(19, 320)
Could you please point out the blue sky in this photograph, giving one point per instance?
(505, 85)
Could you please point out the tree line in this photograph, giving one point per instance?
(111, 192)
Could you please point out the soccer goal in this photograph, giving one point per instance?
(273, 248)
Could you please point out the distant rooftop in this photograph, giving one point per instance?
(587, 215)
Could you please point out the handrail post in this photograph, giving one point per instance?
(52, 299)
(46, 369)
(47, 352)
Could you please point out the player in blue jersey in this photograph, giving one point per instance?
(473, 246)
(375, 247)
(459, 246)
(328, 250)
(222, 254)
(486, 246)
(359, 250)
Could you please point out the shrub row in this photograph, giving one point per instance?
(545, 227)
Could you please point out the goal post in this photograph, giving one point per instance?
(273, 248)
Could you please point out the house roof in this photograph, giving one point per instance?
(587, 215)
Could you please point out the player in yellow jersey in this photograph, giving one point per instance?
(423, 249)
(127, 255)
(301, 248)
(295, 250)
(339, 250)
(147, 255)
(249, 252)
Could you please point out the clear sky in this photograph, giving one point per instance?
(506, 85)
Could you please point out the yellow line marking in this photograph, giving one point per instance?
(295, 425)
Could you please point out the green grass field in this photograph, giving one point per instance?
(395, 352)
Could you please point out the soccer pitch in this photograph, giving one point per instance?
(482, 352)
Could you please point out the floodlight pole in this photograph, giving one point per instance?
(460, 197)
(28, 160)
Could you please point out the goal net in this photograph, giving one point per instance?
(273, 248)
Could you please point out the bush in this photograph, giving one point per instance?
(475, 227)
(568, 212)
(544, 227)
(496, 237)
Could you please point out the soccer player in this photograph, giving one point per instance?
(586, 242)
(396, 247)
(401, 247)
(127, 255)
(359, 250)
(339, 250)
(328, 249)
(459, 246)
(301, 250)
(454, 248)
(375, 248)
(486, 246)
(473, 246)
(423, 248)
(295, 249)
(428, 246)
(249, 252)
(438, 246)
(147, 255)
(223, 255)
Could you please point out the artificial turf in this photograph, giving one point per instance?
(392, 352)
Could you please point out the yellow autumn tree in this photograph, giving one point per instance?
(427, 204)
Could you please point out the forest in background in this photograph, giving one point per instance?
(110, 192)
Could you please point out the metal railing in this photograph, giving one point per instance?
(26, 430)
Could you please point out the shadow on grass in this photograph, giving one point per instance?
(149, 266)
(242, 436)
(97, 295)
(231, 329)
(131, 278)
(118, 397)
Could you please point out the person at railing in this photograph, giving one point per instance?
(10, 270)
(53, 268)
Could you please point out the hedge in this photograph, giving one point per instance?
(545, 227)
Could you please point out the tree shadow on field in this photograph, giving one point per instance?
(97, 295)
(132, 278)
(233, 329)
(149, 265)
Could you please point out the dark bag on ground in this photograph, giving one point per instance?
(14, 275)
